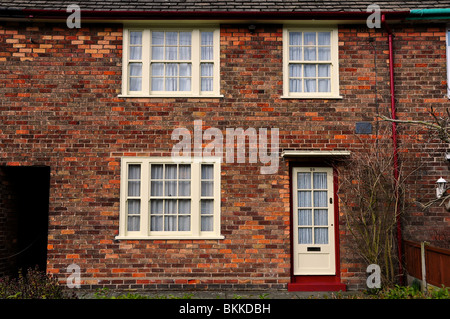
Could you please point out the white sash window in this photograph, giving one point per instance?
(165, 199)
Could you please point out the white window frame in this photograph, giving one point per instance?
(334, 69)
(195, 60)
(447, 46)
(195, 229)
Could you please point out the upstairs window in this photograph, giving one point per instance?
(310, 63)
(171, 62)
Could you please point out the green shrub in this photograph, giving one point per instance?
(34, 284)
(414, 292)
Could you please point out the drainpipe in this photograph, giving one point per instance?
(395, 146)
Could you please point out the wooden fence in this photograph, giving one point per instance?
(436, 261)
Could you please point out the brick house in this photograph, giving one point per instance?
(263, 100)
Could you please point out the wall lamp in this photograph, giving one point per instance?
(441, 187)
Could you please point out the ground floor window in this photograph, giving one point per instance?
(163, 198)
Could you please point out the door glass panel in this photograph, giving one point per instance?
(320, 180)
(304, 217)
(304, 199)
(321, 217)
(320, 199)
(304, 180)
(321, 235)
(305, 235)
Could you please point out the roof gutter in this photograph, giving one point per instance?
(198, 15)
(429, 14)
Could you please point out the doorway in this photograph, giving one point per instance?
(25, 192)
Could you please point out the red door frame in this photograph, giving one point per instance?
(316, 282)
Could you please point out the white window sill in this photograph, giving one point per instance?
(331, 97)
(169, 96)
(169, 237)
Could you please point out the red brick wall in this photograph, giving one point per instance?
(60, 108)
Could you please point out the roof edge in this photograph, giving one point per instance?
(200, 15)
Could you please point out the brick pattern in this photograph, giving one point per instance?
(60, 108)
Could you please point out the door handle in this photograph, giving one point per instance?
(331, 200)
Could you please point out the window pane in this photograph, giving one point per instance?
(185, 53)
(170, 206)
(185, 84)
(156, 206)
(156, 188)
(135, 53)
(310, 70)
(295, 70)
(324, 85)
(207, 188)
(134, 171)
(135, 69)
(157, 171)
(295, 38)
(324, 70)
(305, 236)
(207, 53)
(134, 188)
(170, 223)
(184, 223)
(310, 53)
(324, 38)
(321, 235)
(207, 85)
(157, 84)
(171, 53)
(157, 38)
(207, 69)
(295, 85)
(136, 38)
(185, 171)
(157, 69)
(295, 53)
(134, 206)
(185, 38)
(304, 217)
(207, 206)
(156, 223)
(171, 69)
(157, 53)
(185, 69)
(324, 54)
(184, 206)
(135, 84)
(207, 171)
(184, 188)
(207, 223)
(171, 38)
(310, 38)
(171, 188)
(171, 84)
(310, 85)
(133, 223)
(207, 38)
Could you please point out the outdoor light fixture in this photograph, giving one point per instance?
(441, 187)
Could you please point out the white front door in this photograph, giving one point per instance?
(313, 221)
